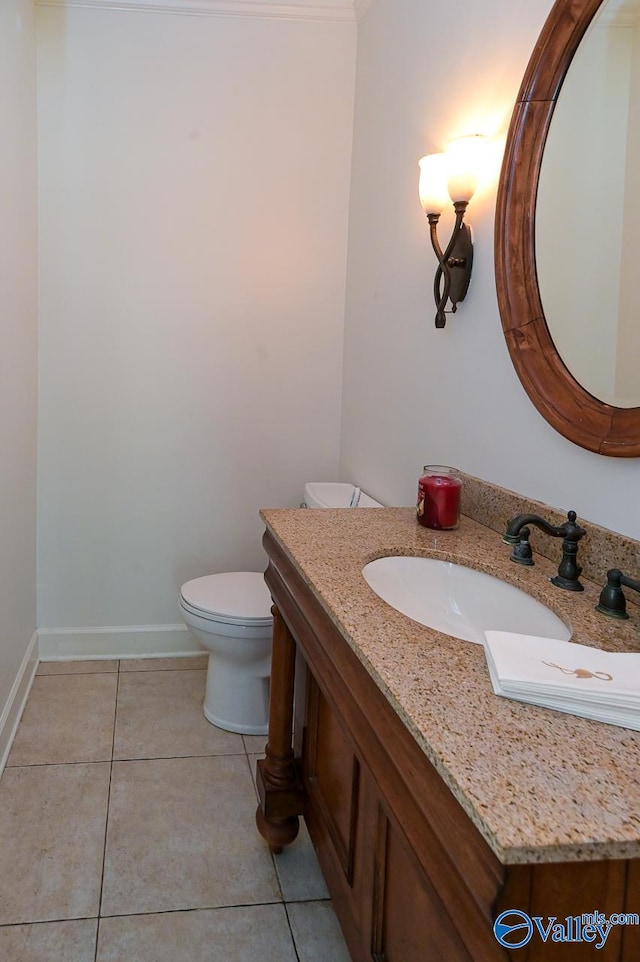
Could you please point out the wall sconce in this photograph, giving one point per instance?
(446, 177)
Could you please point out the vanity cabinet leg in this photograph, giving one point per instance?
(279, 789)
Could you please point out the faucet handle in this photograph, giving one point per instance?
(612, 600)
(571, 530)
(509, 537)
(522, 553)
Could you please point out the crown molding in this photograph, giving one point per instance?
(332, 10)
(360, 7)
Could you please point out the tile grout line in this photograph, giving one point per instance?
(250, 750)
(106, 821)
(293, 938)
(273, 862)
(133, 758)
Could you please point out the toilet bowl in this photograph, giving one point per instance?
(230, 615)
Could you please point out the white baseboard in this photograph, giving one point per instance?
(137, 641)
(12, 711)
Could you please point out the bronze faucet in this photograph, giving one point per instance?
(517, 534)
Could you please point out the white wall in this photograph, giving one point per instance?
(194, 201)
(18, 334)
(411, 395)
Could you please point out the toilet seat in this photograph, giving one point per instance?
(229, 598)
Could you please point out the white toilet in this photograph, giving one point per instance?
(230, 615)
(336, 494)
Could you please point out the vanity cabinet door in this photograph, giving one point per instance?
(333, 811)
(387, 906)
(332, 779)
(409, 921)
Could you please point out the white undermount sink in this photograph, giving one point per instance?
(459, 601)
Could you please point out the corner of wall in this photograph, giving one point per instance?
(14, 707)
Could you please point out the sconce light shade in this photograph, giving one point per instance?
(464, 156)
(434, 195)
(455, 173)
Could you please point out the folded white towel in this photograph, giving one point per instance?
(566, 677)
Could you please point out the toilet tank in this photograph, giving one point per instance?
(336, 494)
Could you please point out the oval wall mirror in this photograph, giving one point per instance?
(574, 347)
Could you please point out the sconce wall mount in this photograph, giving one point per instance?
(453, 274)
(445, 178)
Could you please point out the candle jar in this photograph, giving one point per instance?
(439, 497)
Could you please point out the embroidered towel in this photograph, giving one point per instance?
(566, 677)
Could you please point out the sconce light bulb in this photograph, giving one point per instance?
(434, 195)
(465, 158)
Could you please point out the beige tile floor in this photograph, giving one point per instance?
(127, 830)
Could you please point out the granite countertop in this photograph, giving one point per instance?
(541, 786)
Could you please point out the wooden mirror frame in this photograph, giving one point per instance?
(559, 398)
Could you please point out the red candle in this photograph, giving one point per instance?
(439, 497)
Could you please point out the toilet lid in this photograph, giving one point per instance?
(240, 597)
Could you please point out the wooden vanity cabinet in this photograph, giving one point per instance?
(410, 876)
(387, 903)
